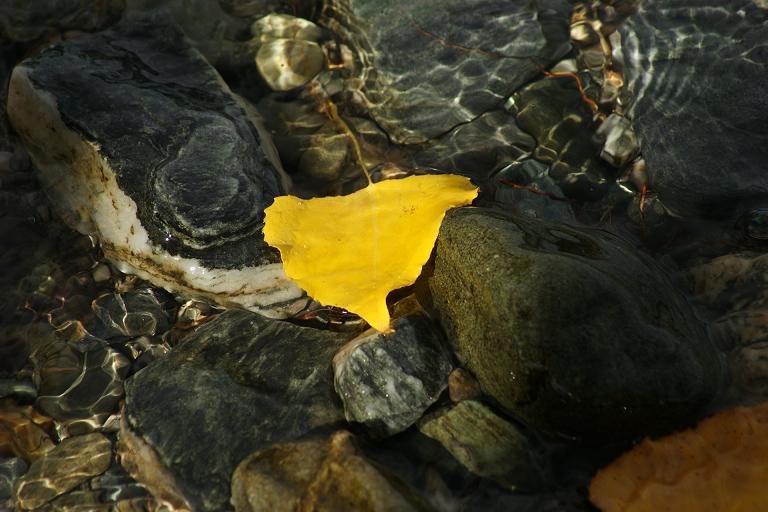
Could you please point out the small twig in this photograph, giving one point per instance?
(499, 55)
(643, 196)
(333, 113)
(534, 190)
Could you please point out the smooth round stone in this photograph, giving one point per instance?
(284, 26)
(570, 329)
(757, 224)
(286, 64)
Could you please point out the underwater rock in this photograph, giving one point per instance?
(735, 288)
(287, 64)
(756, 224)
(553, 112)
(431, 65)
(22, 391)
(134, 313)
(239, 383)
(215, 28)
(387, 380)
(462, 386)
(140, 143)
(80, 388)
(319, 475)
(289, 55)
(68, 465)
(24, 21)
(570, 329)
(750, 369)
(696, 70)
(525, 188)
(619, 140)
(24, 433)
(10, 471)
(487, 445)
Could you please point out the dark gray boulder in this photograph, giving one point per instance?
(238, 384)
(570, 329)
(141, 144)
(698, 70)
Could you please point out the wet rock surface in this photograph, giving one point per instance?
(22, 21)
(698, 109)
(322, 475)
(244, 382)
(10, 470)
(515, 38)
(525, 188)
(24, 432)
(72, 462)
(176, 189)
(80, 388)
(553, 112)
(423, 88)
(387, 381)
(570, 329)
(487, 445)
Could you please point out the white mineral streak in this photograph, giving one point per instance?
(84, 192)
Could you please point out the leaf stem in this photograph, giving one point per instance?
(333, 113)
(329, 107)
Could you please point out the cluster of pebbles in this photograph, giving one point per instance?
(611, 284)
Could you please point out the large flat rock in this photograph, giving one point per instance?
(238, 384)
(141, 144)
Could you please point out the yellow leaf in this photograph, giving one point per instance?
(351, 251)
(720, 466)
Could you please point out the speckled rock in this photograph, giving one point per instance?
(321, 475)
(570, 329)
(242, 382)
(71, 463)
(387, 381)
(141, 144)
(696, 70)
(488, 445)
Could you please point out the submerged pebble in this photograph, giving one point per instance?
(81, 389)
(66, 466)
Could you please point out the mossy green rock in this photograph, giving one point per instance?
(570, 329)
